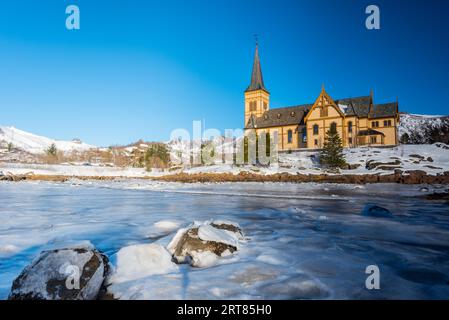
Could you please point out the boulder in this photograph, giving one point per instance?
(371, 210)
(202, 244)
(74, 273)
(372, 164)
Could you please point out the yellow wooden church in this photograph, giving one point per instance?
(358, 121)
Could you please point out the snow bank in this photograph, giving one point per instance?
(140, 261)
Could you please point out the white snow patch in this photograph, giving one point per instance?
(167, 225)
(140, 261)
(208, 233)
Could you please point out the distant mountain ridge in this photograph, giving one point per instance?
(423, 129)
(34, 144)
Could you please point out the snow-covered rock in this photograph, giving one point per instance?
(203, 243)
(74, 273)
(140, 261)
(35, 144)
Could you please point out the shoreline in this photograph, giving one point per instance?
(408, 177)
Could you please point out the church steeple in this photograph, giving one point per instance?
(256, 76)
(257, 97)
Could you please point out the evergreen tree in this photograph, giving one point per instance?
(52, 151)
(332, 153)
(405, 139)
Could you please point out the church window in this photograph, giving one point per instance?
(265, 106)
(350, 140)
(316, 142)
(279, 115)
(333, 127)
(304, 135)
(315, 129)
(375, 124)
(292, 114)
(253, 106)
(387, 123)
(289, 136)
(374, 139)
(350, 126)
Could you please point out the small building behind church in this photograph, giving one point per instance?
(358, 121)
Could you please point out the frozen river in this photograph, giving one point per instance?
(305, 240)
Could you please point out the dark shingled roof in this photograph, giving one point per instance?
(359, 106)
(384, 110)
(256, 76)
(369, 132)
(280, 117)
(356, 106)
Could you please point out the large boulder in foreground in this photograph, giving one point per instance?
(75, 273)
(202, 244)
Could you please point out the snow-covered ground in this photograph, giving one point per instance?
(432, 159)
(310, 241)
(35, 144)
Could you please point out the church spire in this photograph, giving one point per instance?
(256, 76)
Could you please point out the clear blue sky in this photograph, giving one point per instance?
(139, 69)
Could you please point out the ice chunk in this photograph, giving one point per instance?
(142, 260)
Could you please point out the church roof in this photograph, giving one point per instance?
(360, 107)
(256, 75)
(280, 117)
(384, 110)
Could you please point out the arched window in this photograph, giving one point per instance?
(333, 127)
(350, 126)
(315, 129)
(253, 106)
(289, 136)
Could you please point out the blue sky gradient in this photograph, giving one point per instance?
(139, 69)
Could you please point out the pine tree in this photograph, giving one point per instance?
(52, 151)
(332, 152)
(405, 138)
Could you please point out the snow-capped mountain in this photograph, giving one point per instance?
(35, 144)
(422, 129)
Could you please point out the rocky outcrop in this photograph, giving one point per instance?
(372, 164)
(202, 244)
(74, 273)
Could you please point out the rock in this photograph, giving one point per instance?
(372, 210)
(429, 159)
(433, 167)
(414, 176)
(416, 156)
(202, 244)
(74, 273)
(424, 189)
(349, 166)
(444, 196)
(388, 168)
(371, 164)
